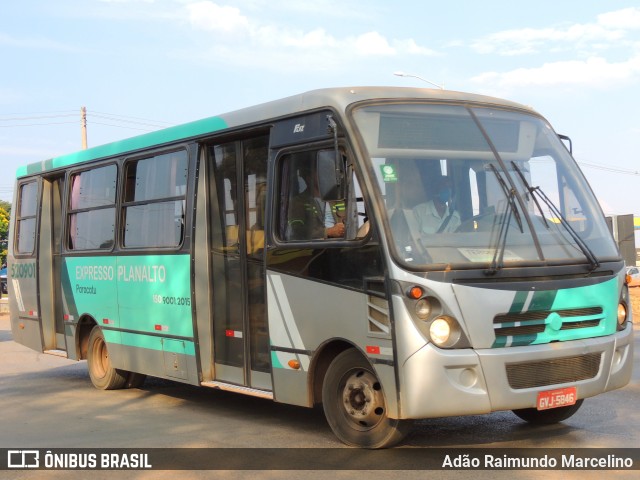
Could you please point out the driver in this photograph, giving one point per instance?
(438, 215)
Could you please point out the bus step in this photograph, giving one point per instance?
(57, 353)
(229, 387)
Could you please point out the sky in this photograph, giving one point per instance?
(140, 65)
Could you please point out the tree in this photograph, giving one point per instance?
(6, 205)
(4, 230)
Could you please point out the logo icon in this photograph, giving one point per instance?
(23, 459)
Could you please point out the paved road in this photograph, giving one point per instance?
(48, 402)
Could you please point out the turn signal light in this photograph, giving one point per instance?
(295, 364)
(415, 292)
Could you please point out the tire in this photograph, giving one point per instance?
(354, 404)
(548, 417)
(103, 375)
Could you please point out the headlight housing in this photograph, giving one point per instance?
(423, 309)
(623, 314)
(428, 314)
(445, 331)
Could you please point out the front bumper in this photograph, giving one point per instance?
(438, 383)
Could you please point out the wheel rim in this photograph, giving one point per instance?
(100, 358)
(362, 400)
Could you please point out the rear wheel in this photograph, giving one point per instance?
(103, 375)
(355, 406)
(548, 417)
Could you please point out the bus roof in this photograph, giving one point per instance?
(339, 98)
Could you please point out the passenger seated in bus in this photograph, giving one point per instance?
(437, 215)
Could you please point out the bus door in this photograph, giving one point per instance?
(23, 272)
(238, 191)
(50, 266)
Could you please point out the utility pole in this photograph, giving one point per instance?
(83, 126)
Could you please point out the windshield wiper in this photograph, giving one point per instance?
(498, 257)
(530, 190)
(510, 194)
(537, 192)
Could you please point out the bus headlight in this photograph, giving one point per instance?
(423, 308)
(445, 331)
(622, 315)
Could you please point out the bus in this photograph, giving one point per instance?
(390, 254)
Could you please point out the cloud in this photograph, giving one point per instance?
(608, 30)
(237, 38)
(592, 72)
(371, 43)
(210, 16)
(585, 42)
(627, 18)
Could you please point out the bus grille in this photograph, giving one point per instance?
(531, 323)
(553, 372)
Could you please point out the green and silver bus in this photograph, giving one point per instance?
(389, 253)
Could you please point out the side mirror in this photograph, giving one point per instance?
(330, 169)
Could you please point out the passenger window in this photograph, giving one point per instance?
(155, 201)
(91, 219)
(26, 222)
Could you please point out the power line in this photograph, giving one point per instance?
(607, 168)
(135, 122)
(38, 117)
(21, 114)
(128, 122)
(17, 117)
(36, 124)
(133, 118)
(123, 126)
(121, 121)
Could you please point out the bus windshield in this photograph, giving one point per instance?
(480, 187)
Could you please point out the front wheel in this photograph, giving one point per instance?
(354, 404)
(547, 417)
(103, 375)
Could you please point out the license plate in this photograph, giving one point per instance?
(562, 397)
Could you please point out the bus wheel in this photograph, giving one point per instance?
(103, 375)
(547, 417)
(354, 404)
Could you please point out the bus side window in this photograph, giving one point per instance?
(155, 196)
(26, 222)
(303, 213)
(91, 219)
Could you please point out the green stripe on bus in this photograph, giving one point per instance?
(603, 295)
(275, 361)
(519, 302)
(157, 343)
(160, 137)
(543, 300)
